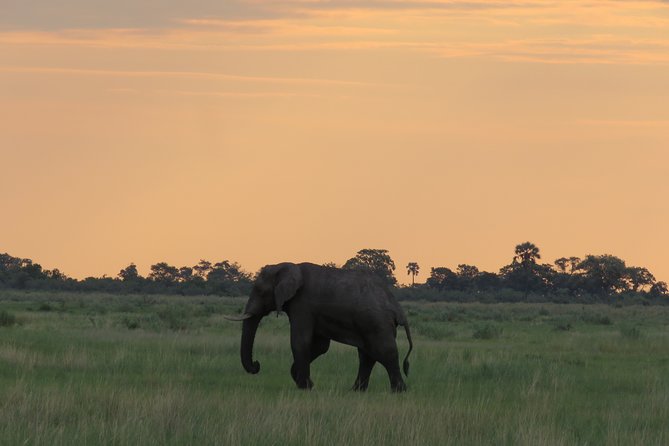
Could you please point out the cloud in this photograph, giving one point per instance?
(185, 74)
(571, 31)
(597, 50)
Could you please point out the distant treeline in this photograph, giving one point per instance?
(595, 278)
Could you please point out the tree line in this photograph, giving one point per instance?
(594, 278)
(223, 278)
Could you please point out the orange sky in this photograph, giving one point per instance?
(265, 131)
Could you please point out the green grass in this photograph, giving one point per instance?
(118, 370)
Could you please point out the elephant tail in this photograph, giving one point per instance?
(405, 364)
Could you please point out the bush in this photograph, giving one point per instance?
(131, 323)
(7, 319)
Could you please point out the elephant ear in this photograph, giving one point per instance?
(289, 281)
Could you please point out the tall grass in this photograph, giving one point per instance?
(79, 374)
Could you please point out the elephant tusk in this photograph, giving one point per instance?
(238, 318)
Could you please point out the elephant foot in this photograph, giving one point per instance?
(399, 387)
(308, 385)
(360, 386)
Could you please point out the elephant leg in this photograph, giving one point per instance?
(391, 362)
(364, 371)
(301, 344)
(384, 350)
(319, 345)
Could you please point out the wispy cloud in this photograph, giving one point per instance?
(571, 31)
(185, 74)
(596, 50)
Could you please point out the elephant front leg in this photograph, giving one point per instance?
(300, 370)
(364, 371)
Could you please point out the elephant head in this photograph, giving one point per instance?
(273, 287)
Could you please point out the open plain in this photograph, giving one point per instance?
(160, 370)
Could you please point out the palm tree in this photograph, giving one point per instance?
(526, 253)
(413, 268)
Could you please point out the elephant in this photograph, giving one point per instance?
(326, 304)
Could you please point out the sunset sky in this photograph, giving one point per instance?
(263, 131)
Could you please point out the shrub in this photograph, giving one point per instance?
(131, 323)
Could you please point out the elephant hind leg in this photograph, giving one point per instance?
(384, 350)
(364, 371)
(392, 365)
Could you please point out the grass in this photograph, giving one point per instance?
(117, 370)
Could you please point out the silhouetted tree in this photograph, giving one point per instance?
(465, 277)
(185, 274)
(486, 281)
(129, 273)
(441, 278)
(54, 274)
(375, 261)
(164, 273)
(573, 264)
(202, 268)
(561, 264)
(659, 289)
(638, 278)
(524, 274)
(526, 253)
(413, 269)
(603, 274)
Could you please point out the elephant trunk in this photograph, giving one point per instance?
(249, 328)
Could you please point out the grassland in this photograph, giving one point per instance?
(119, 370)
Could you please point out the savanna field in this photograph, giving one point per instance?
(107, 369)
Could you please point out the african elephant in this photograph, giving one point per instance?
(324, 304)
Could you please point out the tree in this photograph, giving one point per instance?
(573, 264)
(659, 289)
(164, 273)
(561, 264)
(467, 271)
(524, 274)
(466, 276)
(526, 253)
(375, 261)
(603, 274)
(226, 271)
(54, 274)
(228, 278)
(413, 269)
(638, 278)
(202, 268)
(486, 281)
(441, 278)
(129, 273)
(185, 274)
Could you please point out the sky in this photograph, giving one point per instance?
(305, 130)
